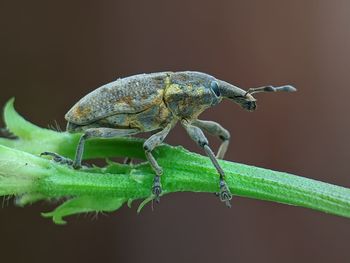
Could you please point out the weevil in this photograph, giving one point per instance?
(156, 102)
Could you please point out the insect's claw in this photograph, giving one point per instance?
(58, 158)
(156, 191)
(47, 153)
(157, 188)
(225, 194)
(4, 132)
(157, 199)
(228, 204)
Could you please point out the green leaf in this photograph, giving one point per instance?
(84, 204)
(21, 127)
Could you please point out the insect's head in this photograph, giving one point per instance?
(245, 98)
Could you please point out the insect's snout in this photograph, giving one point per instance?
(249, 105)
(247, 102)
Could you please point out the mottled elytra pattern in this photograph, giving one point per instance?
(157, 101)
(128, 95)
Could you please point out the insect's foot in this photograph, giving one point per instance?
(225, 194)
(58, 158)
(6, 133)
(77, 166)
(157, 188)
(63, 160)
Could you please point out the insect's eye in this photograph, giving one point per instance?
(215, 87)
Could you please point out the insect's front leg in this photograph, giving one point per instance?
(152, 142)
(198, 136)
(215, 129)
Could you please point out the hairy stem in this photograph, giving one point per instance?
(25, 174)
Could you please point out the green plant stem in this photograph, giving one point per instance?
(25, 174)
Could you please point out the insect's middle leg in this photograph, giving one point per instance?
(198, 136)
(152, 142)
(215, 129)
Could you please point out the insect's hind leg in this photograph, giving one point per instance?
(152, 142)
(98, 133)
(91, 133)
(58, 158)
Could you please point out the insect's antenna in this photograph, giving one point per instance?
(286, 88)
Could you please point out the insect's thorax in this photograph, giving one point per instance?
(188, 101)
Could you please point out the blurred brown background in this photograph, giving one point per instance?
(53, 53)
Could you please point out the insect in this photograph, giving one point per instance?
(156, 102)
